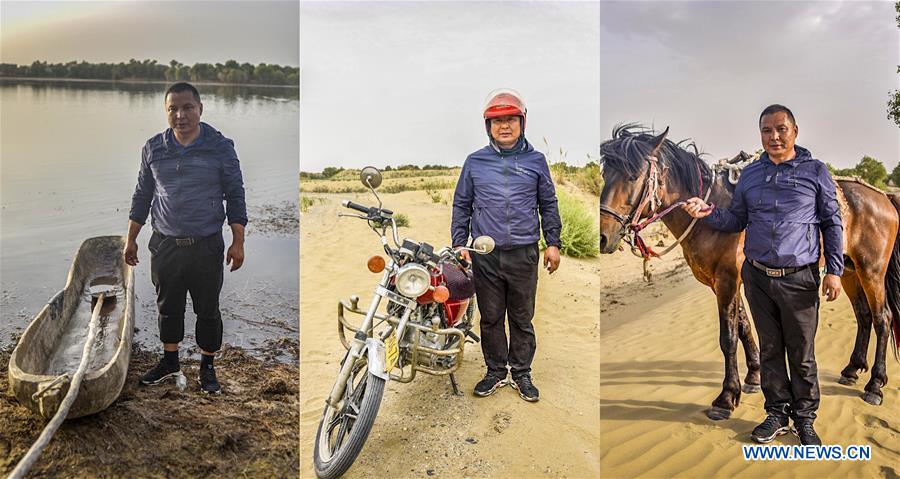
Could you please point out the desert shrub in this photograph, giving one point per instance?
(397, 188)
(306, 202)
(334, 189)
(589, 179)
(414, 186)
(401, 219)
(438, 184)
(579, 235)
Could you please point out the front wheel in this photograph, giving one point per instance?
(343, 430)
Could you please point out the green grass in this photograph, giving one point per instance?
(579, 234)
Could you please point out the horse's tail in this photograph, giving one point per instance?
(892, 286)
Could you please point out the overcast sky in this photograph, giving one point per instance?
(394, 83)
(708, 68)
(190, 32)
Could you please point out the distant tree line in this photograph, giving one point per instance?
(871, 170)
(228, 72)
(330, 171)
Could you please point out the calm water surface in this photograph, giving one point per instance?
(69, 157)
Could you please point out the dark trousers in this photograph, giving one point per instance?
(786, 314)
(196, 269)
(505, 285)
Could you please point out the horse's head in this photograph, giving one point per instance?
(631, 175)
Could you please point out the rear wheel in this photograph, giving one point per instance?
(343, 430)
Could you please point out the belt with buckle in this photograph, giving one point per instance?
(186, 241)
(776, 272)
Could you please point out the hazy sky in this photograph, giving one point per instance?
(190, 32)
(708, 68)
(395, 83)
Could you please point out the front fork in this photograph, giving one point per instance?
(362, 337)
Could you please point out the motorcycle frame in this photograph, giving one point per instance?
(415, 348)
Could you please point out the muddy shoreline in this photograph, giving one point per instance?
(158, 431)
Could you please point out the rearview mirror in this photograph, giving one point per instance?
(370, 177)
(483, 244)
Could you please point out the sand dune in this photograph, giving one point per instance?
(422, 429)
(660, 368)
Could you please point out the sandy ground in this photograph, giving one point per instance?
(661, 368)
(248, 431)
(422, 429)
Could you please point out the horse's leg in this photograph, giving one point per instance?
(863, 315)
(751, 351)
(873, 285)
(730, 397)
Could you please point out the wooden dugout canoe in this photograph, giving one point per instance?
(52, 344)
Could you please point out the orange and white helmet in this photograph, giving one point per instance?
(505, 102)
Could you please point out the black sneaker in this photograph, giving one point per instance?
(526, 388)
(489, 385)
(208, 383)
(774, 425)
(159, 373)
(807, 434)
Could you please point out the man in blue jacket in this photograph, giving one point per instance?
(502, 189)
(186, 172)
(785, 200)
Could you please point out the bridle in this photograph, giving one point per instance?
(632, 224)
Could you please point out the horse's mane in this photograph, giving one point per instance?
(630, 144)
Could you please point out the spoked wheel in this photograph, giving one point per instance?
(343, 430)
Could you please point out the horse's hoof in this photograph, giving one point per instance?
(871, 398)
(847, 381)
(718, 413)
(750, 388)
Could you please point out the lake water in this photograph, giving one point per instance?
(69, 157)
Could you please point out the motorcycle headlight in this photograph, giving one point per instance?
(413, 280)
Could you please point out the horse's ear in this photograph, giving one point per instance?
(659, 140)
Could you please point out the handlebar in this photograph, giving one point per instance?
(354, 206)
(375, 215)
(382, 216)
(366, 210)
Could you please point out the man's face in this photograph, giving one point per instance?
(778, 134)
(506, 130)
(183, 111)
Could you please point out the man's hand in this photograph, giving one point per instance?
(465, 255)
(831, 287)
(697, 208)
(130, 253)
(551, 258)
(235, 256)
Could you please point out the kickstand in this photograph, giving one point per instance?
(455, 386)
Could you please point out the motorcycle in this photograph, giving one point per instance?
(429, 315)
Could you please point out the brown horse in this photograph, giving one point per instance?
(645, 174)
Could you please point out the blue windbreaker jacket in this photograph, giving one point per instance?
(500, 195)
(784, 209)
(184, 186)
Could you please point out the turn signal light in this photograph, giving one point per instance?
(375, 264)
(441, 294)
